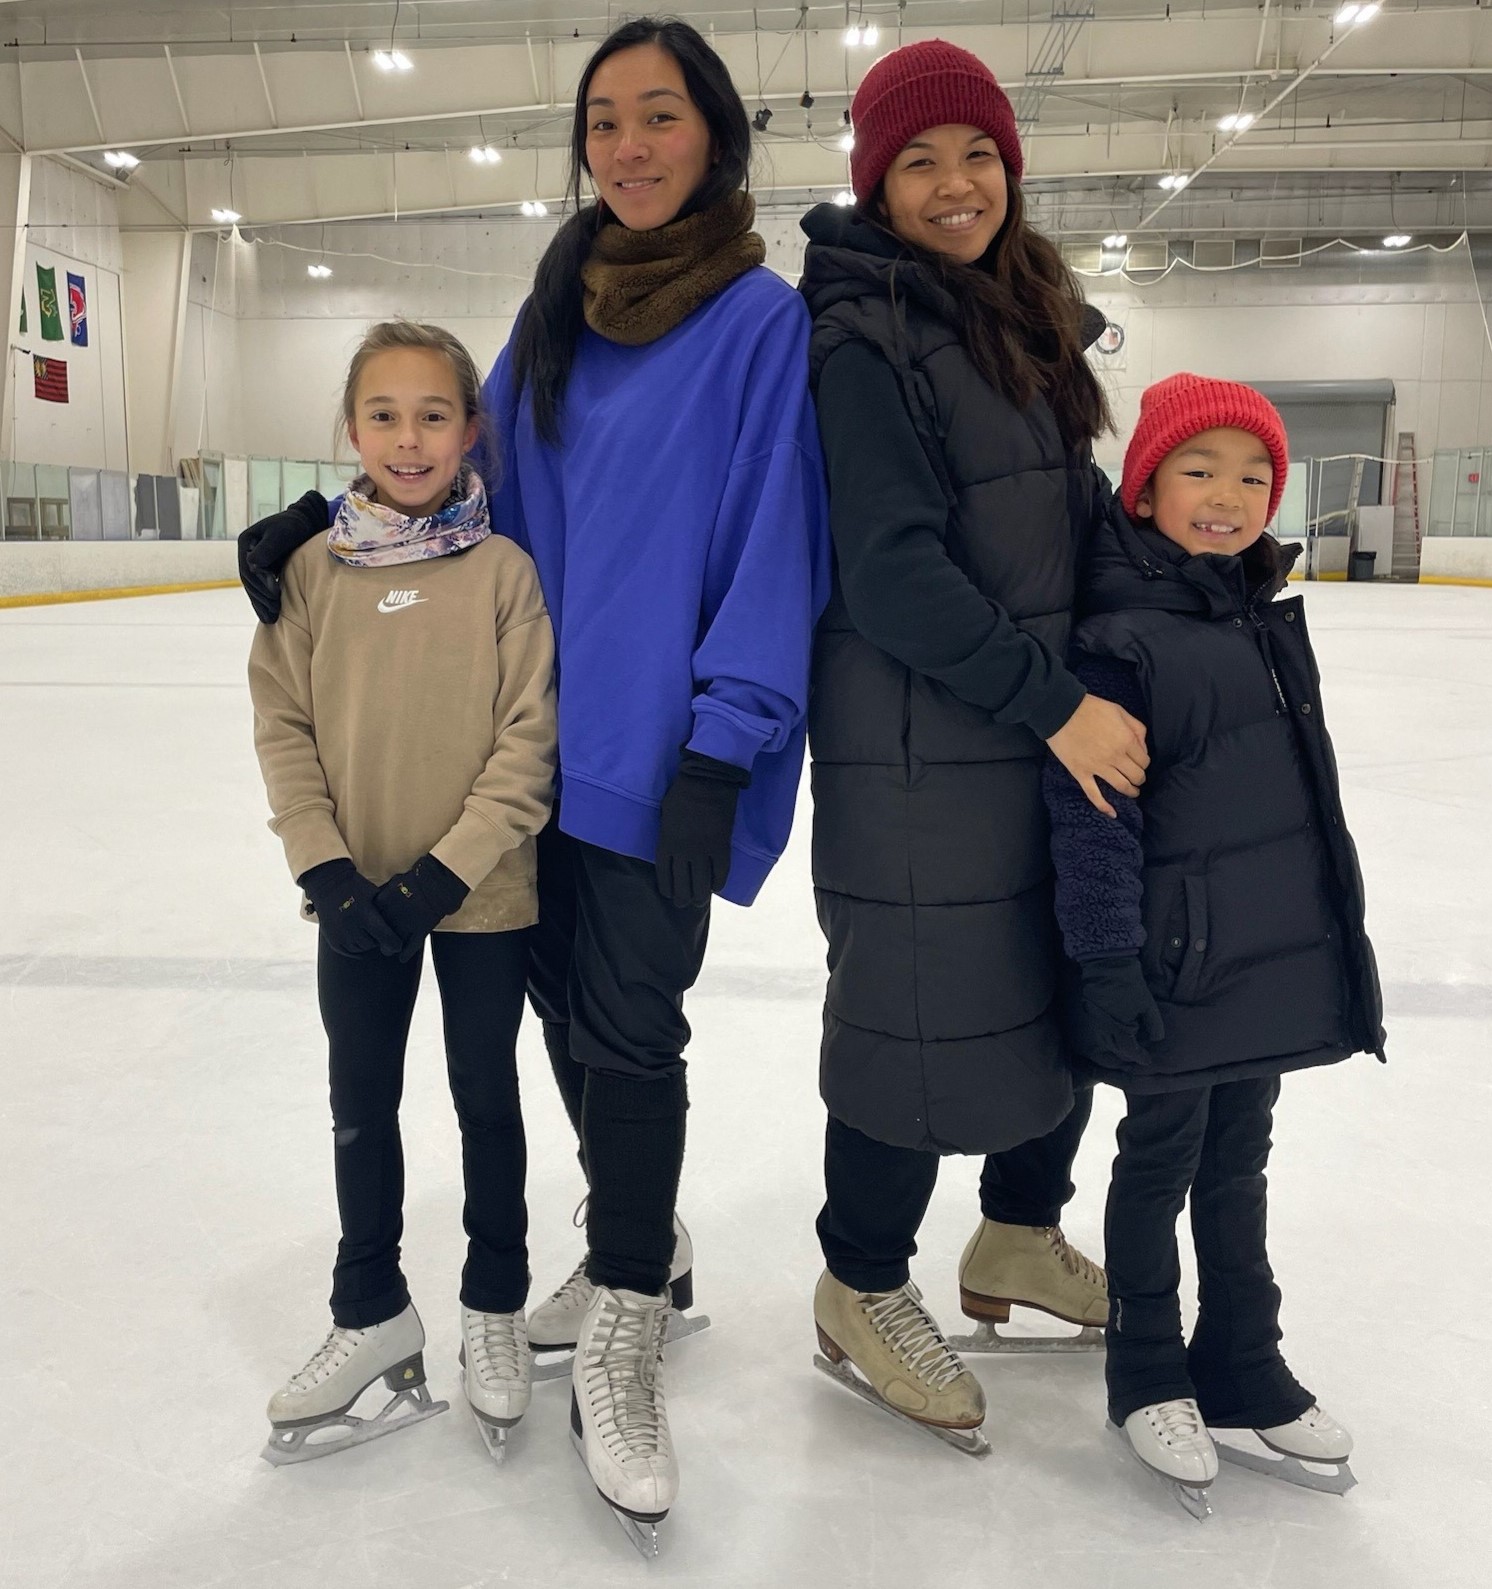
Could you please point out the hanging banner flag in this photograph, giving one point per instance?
(51, 379)
(23, 311)
(77, 309)
(46, 293)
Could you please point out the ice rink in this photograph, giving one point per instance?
(169, 1224)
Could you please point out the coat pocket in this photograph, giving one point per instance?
(1194, 946)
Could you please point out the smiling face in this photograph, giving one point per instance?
(946, 192)
(647, 145)
(410, 428)
(1211, 494)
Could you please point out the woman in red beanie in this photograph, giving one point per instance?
(957, 413)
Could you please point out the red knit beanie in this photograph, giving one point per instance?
(929, 84)
(1182, 406)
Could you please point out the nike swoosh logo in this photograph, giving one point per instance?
(397, 601)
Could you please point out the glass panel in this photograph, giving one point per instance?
(86, 504)
(114, 493)
(1290, 520)
(298, 478)
(18, 493)
(210, 512)
(264, 488)
(53, 502)
(334, 478)
(1442, 494)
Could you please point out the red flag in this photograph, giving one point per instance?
(51, 379)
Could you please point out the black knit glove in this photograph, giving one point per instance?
(1117, 1016)
(264, 549)
(342, 900)
(415, 902)
(696, 819)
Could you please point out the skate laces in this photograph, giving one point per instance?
(621, 1379)
(327, 1358)
(497, 1345)
(907, 1328)
(1177, 1422)
(1074, 1262)
(575, 1289)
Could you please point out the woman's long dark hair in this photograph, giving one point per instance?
(549, 331)
(1020, 314)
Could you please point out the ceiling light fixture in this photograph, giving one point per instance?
(483, 154)
(847, 142)
(1353, 16)
(227, 217)
(392, 61)
(320, 272)
(120, 159)
(1397, 240)
(1240, 122)
(761, 118)
(534, 208)
(1175, 180)
(844, 198)
(1116, 240)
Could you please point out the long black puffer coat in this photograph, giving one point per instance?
(1253, 917)
(937, 676)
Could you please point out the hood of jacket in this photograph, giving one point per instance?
(1131, 565)
(849, 257)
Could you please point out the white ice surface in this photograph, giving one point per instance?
(168, 1223)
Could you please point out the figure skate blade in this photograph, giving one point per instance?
(1327, 1478)
(289, 1443)
(970, 1441)
(986, 1338)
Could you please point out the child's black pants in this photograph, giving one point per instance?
(366, 1006)
(1212, 1142)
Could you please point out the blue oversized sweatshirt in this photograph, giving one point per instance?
(681, 537)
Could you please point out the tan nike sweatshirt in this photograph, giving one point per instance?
(410, 709)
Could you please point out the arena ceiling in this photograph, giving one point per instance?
(281, 114)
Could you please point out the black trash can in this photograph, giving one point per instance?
(1360, 565)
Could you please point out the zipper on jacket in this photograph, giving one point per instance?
(1268, 655)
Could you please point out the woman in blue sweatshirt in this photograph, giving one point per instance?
(659, 459)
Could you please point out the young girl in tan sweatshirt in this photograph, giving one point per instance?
(404, 721)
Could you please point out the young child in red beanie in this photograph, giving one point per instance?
(1215, 924)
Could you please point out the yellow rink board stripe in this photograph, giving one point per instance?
(1453, 579)
(53, 598)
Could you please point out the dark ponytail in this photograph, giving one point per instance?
(548, 332)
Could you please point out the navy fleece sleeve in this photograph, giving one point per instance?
(1098, 859)
(888, 517)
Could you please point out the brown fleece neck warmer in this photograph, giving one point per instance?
(640, 285)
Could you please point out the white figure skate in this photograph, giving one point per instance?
(554, 1326)
(1311, 1452)
(618, 1417)
(311, 1415)
(495, 1370)
(1170, 1440)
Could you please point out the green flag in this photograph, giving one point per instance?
(46, 294)
(23, 311)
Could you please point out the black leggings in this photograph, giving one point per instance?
(1213, 1143)
(876, 1195)
(366, 1006)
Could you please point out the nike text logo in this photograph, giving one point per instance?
(397, 599)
